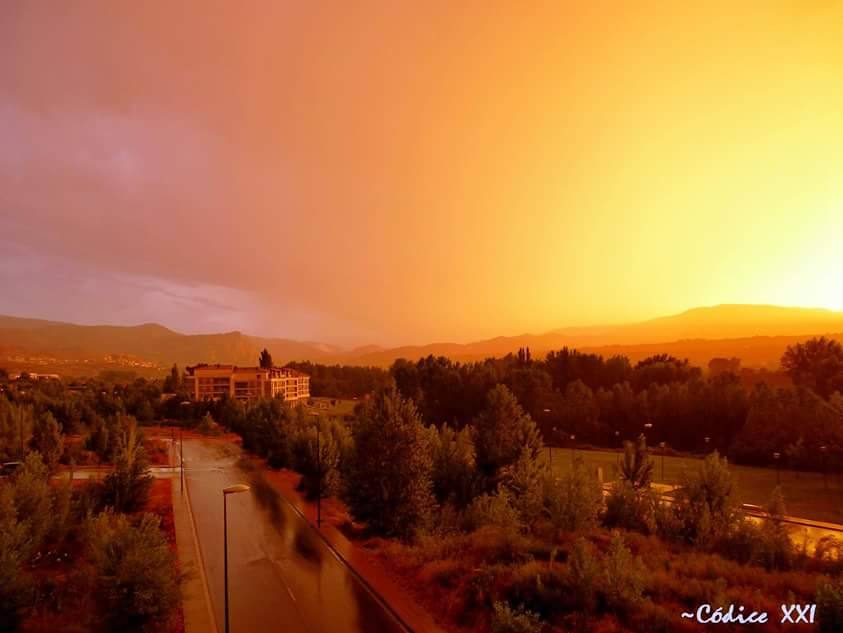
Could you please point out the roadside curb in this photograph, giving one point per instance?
(365, 583)
(185, 499)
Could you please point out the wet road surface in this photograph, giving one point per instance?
(282, 577)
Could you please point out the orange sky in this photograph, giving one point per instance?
(392, 173)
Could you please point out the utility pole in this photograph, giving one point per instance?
(319, 480)
(20, 429)
(181, 458)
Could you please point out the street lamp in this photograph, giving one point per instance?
(20, 429)
(573, 448)
(647, 427)
(662, 445)
(618, 438)
(318, 479)
(181, 458)
(318, 475)
(823, 450)
(776, 457)
(225, 492)
(707, 440)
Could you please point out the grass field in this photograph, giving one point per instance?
(331, 407)
(807, 495)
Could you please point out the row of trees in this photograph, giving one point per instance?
(602, 401)
(126, 564)
(401, 477)
(598, 400)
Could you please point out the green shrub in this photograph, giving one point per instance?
(208, 426)
(33, 500)
(127, 488)
(48, 439)
(830, 606)
(523, 480)
(622, 579)
(829, 550)
(776, 550)
(505, 619)
(494, 510)
(584, 576)
(706, 508)
(574, 503)
(332, 442)
(631, 509)
(636, 469)
(742, 543)
(454, 467)
(135, 567)
(15, 582)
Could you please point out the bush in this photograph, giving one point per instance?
(622, 578)
(15, 583)
(775, 546)
(539, 587)
(705, 508)
(503, 432)
(208, 426)
(135, 568)
(454, 473)
(48, 439)
(574, 503)
(505, 619)
(494, 510)
(830, 606)
(584, 575)
(332, 443)
(636, 469)
(631, 509)
(127, 488)
(268, 428)
(33, 501)
(523, 480)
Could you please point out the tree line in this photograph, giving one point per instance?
(122, 564)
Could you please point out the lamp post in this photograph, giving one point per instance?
(647, 427)
(776, 457)
(573, 449)
(318, 474)
(20, 429)
(707, 440)
(225, 492)
(618, 438)
(662, 446)
(181, 458)
(823, 450)
(318, 480)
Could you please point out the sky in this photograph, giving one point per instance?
(396, 172)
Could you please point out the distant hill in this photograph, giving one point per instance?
(757, 334)
(149, 341)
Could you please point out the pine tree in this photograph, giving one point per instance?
(265, 359)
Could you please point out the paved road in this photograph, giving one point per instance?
(282, 577)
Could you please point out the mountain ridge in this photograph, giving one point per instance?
(756, 333)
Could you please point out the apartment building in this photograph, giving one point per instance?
(209, 382)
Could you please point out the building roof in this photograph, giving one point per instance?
(284, 371)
